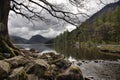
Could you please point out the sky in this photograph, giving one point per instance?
(20, 26)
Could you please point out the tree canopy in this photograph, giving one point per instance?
(32, 9)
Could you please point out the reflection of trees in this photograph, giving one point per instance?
(83, 52)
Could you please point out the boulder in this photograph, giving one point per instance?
(63, 64)
(42, 63)
(47, 56)
(87, 78)
(30, 53)
(32, 77)
(16, 61)
(72, 73)
(37, 67)
(18, 74)
(55, 59)
(4, 69)
(51, 73)
(33, 50)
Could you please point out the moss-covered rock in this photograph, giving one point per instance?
(32, 77)
(4, 69)
(48, 66)
(18, 74)
(17, 61)
(63, 64)
(37, 67)
(72, 73)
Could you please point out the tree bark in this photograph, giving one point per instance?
(4, 12)
(5, 44)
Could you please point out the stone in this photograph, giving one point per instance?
(28, 53)
(50, 73)
(79, 63)
(32, 77)
(33, 50)
(55, 59)
(42, 63)
(87, 78)
(18, 74)
(47, 55)
(37, 67)
(16, 61)
(63, 64)
(96, 61)
(4, 69)
(72, 73)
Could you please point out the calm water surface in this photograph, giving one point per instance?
(81, 53)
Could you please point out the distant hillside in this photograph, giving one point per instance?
(18, 40)
(104, 10)
(36, 39)
(102, 27)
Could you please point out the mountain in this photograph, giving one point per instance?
(104, 10)
(102, 27)
(18, 40)
(38, 39)
(33, 40)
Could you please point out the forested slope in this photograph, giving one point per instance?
(102, 28)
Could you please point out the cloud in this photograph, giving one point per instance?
(19, 26)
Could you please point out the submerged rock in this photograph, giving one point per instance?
(87, 79)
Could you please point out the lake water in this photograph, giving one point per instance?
(81, 53)
(101, 66)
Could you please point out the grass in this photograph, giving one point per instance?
(110, 48)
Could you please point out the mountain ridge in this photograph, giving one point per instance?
(105, 9)
(102, 27)
(36, 39)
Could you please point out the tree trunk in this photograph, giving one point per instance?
(5, 44)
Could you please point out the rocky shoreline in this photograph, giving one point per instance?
(33, 66)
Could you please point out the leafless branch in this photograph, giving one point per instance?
(52, 9)
(101, 2)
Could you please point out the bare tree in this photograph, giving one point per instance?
(22, 7)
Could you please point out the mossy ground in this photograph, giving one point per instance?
(110, 48)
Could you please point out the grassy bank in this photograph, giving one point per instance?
(110, 48)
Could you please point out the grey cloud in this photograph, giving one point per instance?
(20, 26)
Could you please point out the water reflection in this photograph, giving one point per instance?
(84, 53)
(39, 47)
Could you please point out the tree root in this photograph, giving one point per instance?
(1, 57)
(8, 49)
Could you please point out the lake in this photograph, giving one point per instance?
(92, 62)
(81, 53)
